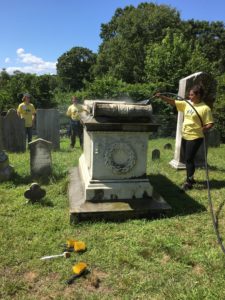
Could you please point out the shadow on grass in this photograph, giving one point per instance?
(18, 179)
(181, 203)
(43, 202)
(215, 168)
(214, 184)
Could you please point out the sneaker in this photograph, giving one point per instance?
(187, 186)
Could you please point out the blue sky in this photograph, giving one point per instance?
(34, 33)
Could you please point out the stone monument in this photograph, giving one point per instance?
(14, 139)
(111, 178)
(185, 84)
(47, 124)
(40, 158)
(6, 170)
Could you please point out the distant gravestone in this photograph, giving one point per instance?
(213, 138)
(6, 170)
(13, 132)
(40, 158)
(155, 154)
(168, 146)
(47, 124)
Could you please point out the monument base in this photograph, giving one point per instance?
(177, 165)
(115, 209)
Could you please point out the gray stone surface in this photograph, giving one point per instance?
(213, 138)
(115, 209)
(40, 158)
(13, 132)
(112, 168)
(185, 84)
(47, 124)
(6, 171)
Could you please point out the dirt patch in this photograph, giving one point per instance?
(198, 270)
(166, 258)
(30, 276)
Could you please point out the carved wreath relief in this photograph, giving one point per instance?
(120, 157)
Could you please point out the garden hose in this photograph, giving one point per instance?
(213, 216)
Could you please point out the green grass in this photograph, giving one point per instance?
(169, 258)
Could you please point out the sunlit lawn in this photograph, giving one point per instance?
(175, 257)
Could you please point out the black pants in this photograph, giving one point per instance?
(76, 129)
(28, 133)
(190, 149)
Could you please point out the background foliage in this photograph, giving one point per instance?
(144, 49)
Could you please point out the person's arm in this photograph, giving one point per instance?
(18, 111)
(166, 99)
(207, 127)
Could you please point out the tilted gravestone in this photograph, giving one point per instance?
(40, 158)
(185, 84)
(47, 124)
(13, 128)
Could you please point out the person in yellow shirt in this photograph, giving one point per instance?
(27, 111)
(193, 128)
(76, 129)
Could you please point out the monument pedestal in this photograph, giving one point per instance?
(111, 180)
(115, 209)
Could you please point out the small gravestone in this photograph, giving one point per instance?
(13, 129)
(155, 154)
(47, 124)
(167, 146)
(6, 170)
(34, 193)
(40, 158)
(213, 138)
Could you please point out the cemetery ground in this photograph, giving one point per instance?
(171, 257)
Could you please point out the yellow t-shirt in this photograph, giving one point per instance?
(74, 111)
(192, 128)
(26, 111)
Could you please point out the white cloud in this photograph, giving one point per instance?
(29, 63)
(7, 60)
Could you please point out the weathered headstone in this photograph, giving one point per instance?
(155, 154)
(47, 124)
(6, 170)
(40, 158)
(167, 146)
(213, 138)
(13, 132)
(185, 84)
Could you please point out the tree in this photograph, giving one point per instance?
(74, 67)
(211, 39)
(174, 58)
(123, 50)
